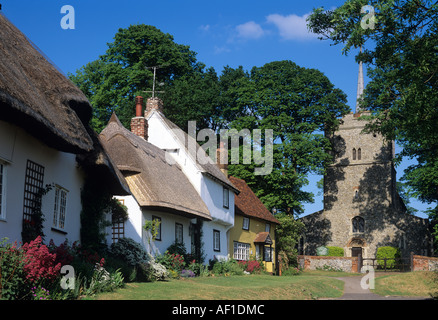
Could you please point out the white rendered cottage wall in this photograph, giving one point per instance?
(134, 227)
(223, 219)
(60, 168)
(163, 137)
(210, 190)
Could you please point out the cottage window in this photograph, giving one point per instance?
(179, 233)
(118, 228)
(2, 191)
(241, 251)
(158, 237)
(33, 185)
(216, 240)
(226, 200)
(358, 224)
(245, 225)
(268, 227)
(60, 207)
(267, 254)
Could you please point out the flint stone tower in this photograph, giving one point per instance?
(362, 208)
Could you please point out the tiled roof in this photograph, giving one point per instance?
(263, 237)
(248, 204)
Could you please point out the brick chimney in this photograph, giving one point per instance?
(139, 124)
(154, 104)
(222, 158)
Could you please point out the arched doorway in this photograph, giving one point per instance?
(356, 247)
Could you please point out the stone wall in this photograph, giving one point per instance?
(346, 264)
(421, 263)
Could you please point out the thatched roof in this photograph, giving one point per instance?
(248, 204)
(209, 168)
(152, 180)
(35, 96)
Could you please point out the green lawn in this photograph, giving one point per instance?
(252, 287)
(417, 283)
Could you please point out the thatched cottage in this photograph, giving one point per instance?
(207, 179)
(160, 191)
(44, 140)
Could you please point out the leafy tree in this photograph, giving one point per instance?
(124, 71)
(288, 234)
(402, 95)
(298, 104)
(194, 96)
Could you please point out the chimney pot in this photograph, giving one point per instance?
(139, 125)
(154, 103)
(138, 105)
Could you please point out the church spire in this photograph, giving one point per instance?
(360, 84)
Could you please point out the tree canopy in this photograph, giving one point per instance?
(297, 103)
(300, 105)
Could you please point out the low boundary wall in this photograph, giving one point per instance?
(422, 263)
(347, 264)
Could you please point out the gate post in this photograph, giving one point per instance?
(412, 261)
(359, 263)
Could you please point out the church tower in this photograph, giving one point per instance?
(362, 209)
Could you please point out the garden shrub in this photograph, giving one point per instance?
(390, 253)
(13, 283)
(198, 269)
(157, 271)
(172, 261)
(226, 267)
(335, 251)
(252, 266)
(39, 263)
(130, 251)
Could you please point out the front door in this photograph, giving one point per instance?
(356, 251)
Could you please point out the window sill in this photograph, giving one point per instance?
(59, 230)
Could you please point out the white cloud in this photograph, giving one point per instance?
(205, 28)
(249, 30)
(291, 27)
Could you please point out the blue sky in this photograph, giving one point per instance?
(234, 33)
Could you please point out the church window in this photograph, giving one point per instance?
(358, 224)
(354, 153)
(359, 154)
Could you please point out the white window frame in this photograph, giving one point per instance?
(268, 227)
(179, 232)
(245, 223)
(3, 180)
(226, 198)
(241, 251)
(158, 237)
(267, 253)
(216, 240)
(60, 208)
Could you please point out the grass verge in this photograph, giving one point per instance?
(423, 284)
(253, 287)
